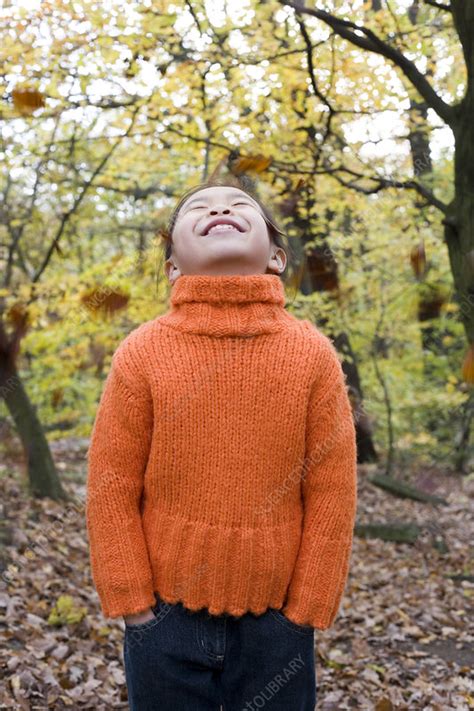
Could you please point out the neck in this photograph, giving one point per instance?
(227, 305)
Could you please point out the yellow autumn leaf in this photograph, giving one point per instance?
(66, 612)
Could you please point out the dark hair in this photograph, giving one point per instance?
(276, 234)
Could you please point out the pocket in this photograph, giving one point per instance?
(282, 619)
(160, 610)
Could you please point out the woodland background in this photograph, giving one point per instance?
(352, 121)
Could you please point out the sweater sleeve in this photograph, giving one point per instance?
(117, 458)
(329, 490)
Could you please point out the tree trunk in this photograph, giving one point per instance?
(459, 232)
(431, 294)
(42, 475)
(366, 451)
(322, 275)
(461, 458)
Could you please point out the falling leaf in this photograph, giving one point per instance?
(418, 259)
(27, 99)
(246, 164)
(105, 299)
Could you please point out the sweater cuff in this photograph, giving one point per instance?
(320, 618)
(318, 582)
(121, 604)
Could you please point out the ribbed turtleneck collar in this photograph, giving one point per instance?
(227, 305)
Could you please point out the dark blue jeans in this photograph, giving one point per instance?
(193, 661)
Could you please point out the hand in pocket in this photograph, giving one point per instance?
(139, 617)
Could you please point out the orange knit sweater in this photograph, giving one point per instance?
(222, 461)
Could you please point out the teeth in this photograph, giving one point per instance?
(222, 227)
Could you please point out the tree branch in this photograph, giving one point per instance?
(66, 216)
(382, 183)
(439, 5)
(366, 39)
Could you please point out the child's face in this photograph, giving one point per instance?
(243, 248)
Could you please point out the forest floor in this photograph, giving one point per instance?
(403, 639)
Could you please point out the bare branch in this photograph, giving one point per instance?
(364, 38)
(381, 183)
(317, 92)
(79, 198)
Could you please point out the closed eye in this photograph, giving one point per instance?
(199, 207)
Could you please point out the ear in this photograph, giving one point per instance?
(171, 271)
(277, 261)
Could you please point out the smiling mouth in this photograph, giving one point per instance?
(222, 228)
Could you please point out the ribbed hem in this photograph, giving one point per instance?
(226, 570)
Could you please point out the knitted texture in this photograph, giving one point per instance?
(222, 461)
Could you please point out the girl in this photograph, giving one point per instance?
(221, 490)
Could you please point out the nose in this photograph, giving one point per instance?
(215, 209)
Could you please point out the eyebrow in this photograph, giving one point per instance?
(232, 195)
